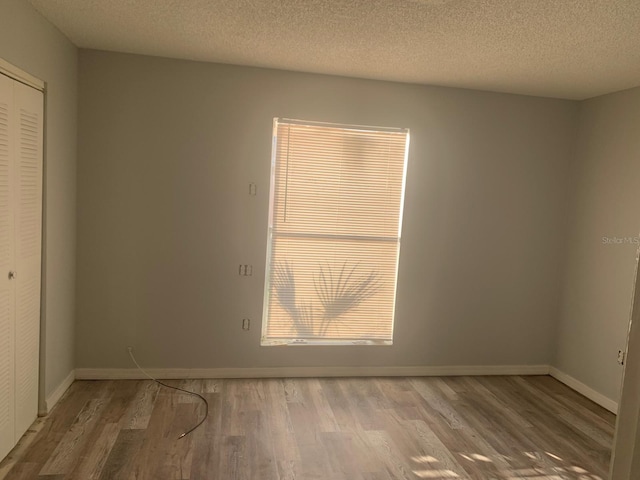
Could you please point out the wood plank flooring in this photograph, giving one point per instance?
(335, 428)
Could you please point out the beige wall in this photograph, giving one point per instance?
(598, 281)
(167, 149)
(28, 41)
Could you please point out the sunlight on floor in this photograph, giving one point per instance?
(544, 466)
(436, 474)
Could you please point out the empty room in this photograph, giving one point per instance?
(319, 239)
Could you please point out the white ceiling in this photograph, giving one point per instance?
(558, 48)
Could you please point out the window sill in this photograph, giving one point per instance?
(297, 342)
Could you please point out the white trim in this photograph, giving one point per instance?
(585, 390)
(57, 394)
(292, 372)
(283, 372)
(20, 75)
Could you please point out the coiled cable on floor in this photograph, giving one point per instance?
(206, 403)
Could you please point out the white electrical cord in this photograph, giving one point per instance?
(206, 403)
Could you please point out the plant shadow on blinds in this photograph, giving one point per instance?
(334, 233)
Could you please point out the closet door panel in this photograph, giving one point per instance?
(7, 286)
(28, 235)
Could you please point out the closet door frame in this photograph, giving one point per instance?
(19, 75)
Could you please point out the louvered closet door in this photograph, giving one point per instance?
(28, 242)
(7, 287)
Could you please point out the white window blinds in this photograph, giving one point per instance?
(334, 233)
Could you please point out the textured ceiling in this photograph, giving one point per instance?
(559, 48)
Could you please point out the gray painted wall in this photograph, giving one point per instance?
(167, 149)
(28, 41)
(599, 272)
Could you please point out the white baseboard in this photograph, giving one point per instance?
(292, 372)
(57, 394)
(588, 392)
(301, 372)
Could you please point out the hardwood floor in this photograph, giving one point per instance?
(352, 429)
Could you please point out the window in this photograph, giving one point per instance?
(335, 216)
